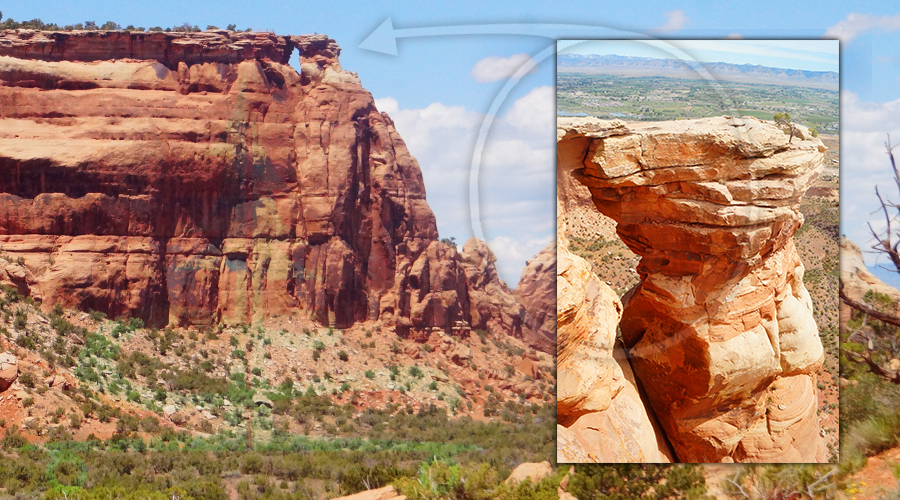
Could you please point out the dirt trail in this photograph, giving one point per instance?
(876, 480)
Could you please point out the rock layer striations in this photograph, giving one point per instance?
(601, 414)
(720, 330)
(191, 178)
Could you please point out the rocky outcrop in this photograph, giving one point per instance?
(601, 414)
(14, 275)
(569, 154)
(720, 330)
(529, 471)
(386, 493)
(494, 307)
(170, 49)
(856, 279)
(192, 178)
(9, 370)
(537, 294)
(861, 290)
(588, 312)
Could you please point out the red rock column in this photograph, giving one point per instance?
(720, 330)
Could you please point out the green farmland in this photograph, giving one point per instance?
(649, 98)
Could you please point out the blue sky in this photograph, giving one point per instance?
(439, 89)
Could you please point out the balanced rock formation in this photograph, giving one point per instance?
(600, 412)
(720, 330)
(192, 178)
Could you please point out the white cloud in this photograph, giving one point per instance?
(536, 110)
(491, 69)
(865, 165)
(860, 116)
(855, 25)
(387, 105)
(675, 21)
(519, 154)
(512, 255)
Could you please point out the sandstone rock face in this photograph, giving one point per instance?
(14, 275)
(494, 307)
(9, 370)
(192, 178)
(627, 431)
(856, 283)
(537, 295)
(530, 471)
(856, 279)
(386, 493)
(572, 134)
(587, 314)
(720, 326)
(601, 414)
(169, 49)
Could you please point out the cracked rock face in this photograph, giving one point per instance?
(587, 312)
(192, 178)
(601, 413)
(720, 330)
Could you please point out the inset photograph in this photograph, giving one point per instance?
(698, 251)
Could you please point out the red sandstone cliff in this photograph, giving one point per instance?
(536, 291)
(193, 178)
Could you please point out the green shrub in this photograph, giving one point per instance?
(101, 347)
(150, 424)
(27, 379)
(13, 438)
(118, 329)
(75, 420)
(21, 319)
(637, 480)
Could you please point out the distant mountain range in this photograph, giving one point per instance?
(675, 68)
